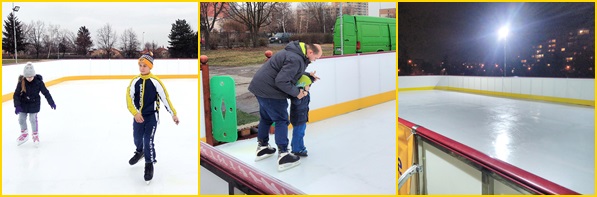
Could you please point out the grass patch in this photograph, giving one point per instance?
(244, 118)
(248, 56)
(6, 62)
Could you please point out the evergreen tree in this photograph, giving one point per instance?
(8, 42)
(183, 41)
(83, 41)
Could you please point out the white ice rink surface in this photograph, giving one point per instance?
(354, 153)
(553, 141)
(87, 141)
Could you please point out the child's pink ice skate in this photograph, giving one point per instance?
(23, 137)
(35, 139)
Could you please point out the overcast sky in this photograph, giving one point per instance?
(155, 19)
(375, 6)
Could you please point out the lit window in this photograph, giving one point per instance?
(540, 46)
(590, 68)
(583, 31)
(563, 49)
(523, 61)
(567, 67)
(548, 65)
(529, 68)
(410, 61)
(538, 51)
(568, 59)
(553, 40)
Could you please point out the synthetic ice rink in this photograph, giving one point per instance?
(354, 153)
(551, 140)
(87, 141)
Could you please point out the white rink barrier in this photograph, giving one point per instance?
(52, 70)
(565, 90)
(348, 83)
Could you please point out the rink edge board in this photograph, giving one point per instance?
(346, 107)
(8, 96)
(506, 94)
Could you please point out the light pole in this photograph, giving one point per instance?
(143, 42)
(14, 29)
(503, 33)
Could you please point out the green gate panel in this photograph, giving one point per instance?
(223, 108)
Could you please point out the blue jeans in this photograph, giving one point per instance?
(273, 110)
(143, 134)
(298, 134)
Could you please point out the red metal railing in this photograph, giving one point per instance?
(243, 173)
(512, 173)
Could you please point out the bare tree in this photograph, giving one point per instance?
(106, 38)
(151, 46)
(282, 18)
(53, 38)
(254, 15)
(316, 11)
(208, 22)
(35, 32)
(67, 41)
(130, 43)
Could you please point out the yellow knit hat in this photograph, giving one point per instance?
(148, 59)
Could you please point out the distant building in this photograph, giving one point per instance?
(571, 53)
(353, 8)
(100, 53)
(222, 15)
(387, 12)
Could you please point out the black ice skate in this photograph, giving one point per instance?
(287, 160)
(264, 152)
(136, 158)
(301, 154)
(148, 172)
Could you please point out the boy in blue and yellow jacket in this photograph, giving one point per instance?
(299, 116)
(143, 97)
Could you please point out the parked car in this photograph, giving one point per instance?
(280, 38)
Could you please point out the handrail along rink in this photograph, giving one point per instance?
(518, 179)
(242, 176)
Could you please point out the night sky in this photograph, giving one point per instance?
(468, 31)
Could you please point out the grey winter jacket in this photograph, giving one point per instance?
(277, 77)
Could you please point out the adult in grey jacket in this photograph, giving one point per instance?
(273, 84)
